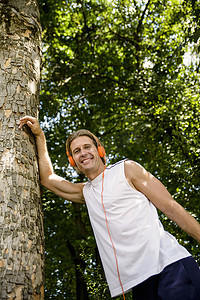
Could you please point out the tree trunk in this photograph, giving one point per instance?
(21, 219)
(81, 287)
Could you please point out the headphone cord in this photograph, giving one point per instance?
(110, 235)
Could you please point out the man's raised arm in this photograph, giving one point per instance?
(49, 179)
(155, 191)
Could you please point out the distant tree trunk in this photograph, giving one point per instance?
(79, 263)
(21, 219)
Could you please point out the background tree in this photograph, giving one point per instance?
(21, 217)
(120, 70)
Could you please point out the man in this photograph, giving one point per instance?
(122, 199)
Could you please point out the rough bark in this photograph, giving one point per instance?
(21, 219)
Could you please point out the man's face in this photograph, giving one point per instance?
(85, 154)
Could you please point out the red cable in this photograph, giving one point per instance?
(111, 237)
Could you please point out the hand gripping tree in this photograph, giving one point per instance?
(21, 220)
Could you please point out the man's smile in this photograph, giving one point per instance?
(86, 160)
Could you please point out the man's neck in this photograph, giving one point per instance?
(91, 175)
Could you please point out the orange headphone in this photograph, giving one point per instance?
(100, 150)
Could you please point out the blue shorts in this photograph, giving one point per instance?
(178, 281)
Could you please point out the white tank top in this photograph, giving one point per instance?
(143, 247)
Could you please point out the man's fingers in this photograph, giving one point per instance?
(26, 120)
(21, 124)
(32, 123)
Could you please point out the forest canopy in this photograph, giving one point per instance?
(129, 72)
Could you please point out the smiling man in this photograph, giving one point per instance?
(84, 151)
(136, 252)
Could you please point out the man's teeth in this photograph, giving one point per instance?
(86, 159)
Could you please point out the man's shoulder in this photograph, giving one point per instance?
(116, 164)
(126, 163)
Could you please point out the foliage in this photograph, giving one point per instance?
(118, 69)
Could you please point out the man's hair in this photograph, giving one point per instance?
(83, 132)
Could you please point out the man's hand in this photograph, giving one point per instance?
(32, 123)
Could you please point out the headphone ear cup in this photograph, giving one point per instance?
(101, 151)
(71, 160)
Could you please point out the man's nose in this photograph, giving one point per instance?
(83, 151)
